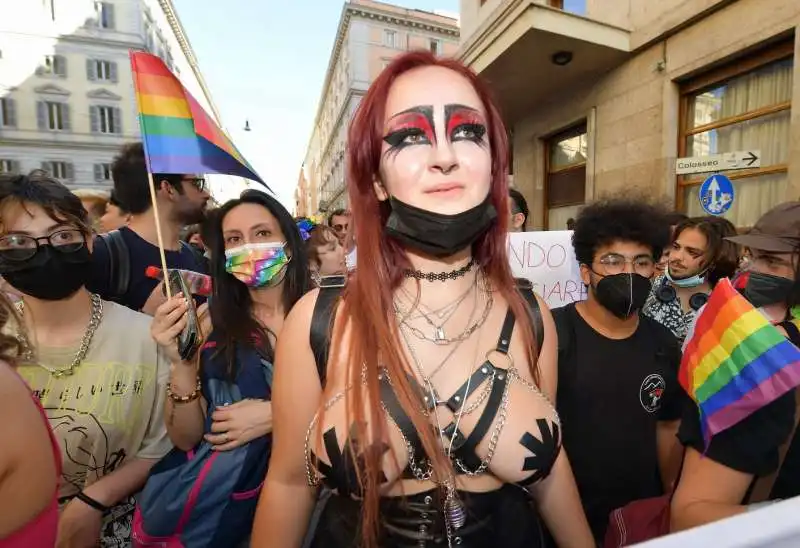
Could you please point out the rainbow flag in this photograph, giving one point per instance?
(178, 135)
(736, 361)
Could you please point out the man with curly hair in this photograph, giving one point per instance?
(618, 388)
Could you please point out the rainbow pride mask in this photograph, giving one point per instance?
(257, 265)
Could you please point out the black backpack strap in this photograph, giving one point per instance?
(565, 327)
(119, 264)
(199, 259)
(330, 288)
(525, 287)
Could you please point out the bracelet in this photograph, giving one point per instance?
(89, 501)
(184, 399)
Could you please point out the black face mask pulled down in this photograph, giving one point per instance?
(766, 289)
(623, 294)
(50, 275)
(437, 234)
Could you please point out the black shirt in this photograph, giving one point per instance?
(142, 254)
(611, 394)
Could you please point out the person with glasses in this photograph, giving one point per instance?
(91, 363)
(122, 257)
(618, 391)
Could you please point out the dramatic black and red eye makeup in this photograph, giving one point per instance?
(464, 123)
(410, 127)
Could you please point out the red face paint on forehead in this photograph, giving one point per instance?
(420, 118)
(457, 115)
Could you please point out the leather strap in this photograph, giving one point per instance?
(762, 488)
(466, 453)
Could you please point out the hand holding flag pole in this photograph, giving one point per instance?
(177, 134)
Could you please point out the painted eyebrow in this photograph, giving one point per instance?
(427, 110)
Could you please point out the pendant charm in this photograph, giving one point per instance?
(454, 510)
(440, 337)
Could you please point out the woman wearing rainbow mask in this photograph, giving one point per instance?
(219, 402)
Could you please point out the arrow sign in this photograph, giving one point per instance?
(751, 159)
(743, 159)
(716, 194)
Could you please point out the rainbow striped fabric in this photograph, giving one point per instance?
(736, 361)
(178, 135)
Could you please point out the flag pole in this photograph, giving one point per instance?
(158, 235)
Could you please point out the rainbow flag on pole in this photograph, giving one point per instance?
(736, 361)
(178, 135)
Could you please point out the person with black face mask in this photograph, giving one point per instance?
(92, 363)
(617, 384)
(758, 459)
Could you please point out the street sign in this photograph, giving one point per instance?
(743, 159)
(716, 194)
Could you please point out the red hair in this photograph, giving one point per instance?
(373, 340)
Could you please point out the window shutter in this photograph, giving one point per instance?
(65, 120)
(113, 71)
(98, 172)
(70, 172)
(11, 112)
(41, 115)
(91, 70)
(94, 118)
(60, 65)
(108, 10)
(117, 120)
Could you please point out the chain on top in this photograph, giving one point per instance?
(94, 322)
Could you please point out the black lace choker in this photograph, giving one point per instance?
(440, 276)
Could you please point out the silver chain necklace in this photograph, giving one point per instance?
(91, 328)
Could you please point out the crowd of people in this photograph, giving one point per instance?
(377, 378)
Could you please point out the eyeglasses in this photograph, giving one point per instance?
(198, 182)
(21, 247)
(340, 228)
(614, 263)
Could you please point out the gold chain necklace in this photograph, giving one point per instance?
(94, 322)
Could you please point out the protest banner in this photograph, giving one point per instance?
(548, 261)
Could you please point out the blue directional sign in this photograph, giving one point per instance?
(716, 194)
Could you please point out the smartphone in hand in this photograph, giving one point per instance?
(189, 338)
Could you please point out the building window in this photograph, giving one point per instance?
(55, 65)
(390, 38)
(59, 170)
(741, 107)
(572, 6)
(102, 172)
(101, 71)
(105, 15)
(8, 112)
(106, 119)
(52, 116)
(565, 185)
(435, 46)
(9, 166)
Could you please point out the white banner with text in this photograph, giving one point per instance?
(548, 261)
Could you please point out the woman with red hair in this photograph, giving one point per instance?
(432, 422)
